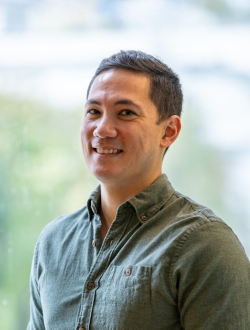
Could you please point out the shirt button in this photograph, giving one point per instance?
(90, 286)
(128, 271)
(143, 217)
(94, 243)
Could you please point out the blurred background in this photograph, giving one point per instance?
(49, 50)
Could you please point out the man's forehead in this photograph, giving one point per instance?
(119, 80)
(114, 73)
(107, 74)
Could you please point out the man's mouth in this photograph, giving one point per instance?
(107, 151)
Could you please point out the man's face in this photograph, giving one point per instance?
(121, 141)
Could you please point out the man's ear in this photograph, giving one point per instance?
(172, 127)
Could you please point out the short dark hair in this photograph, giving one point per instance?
(165, 90)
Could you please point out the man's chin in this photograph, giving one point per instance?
(106, 176)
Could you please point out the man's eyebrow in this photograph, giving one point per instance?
(122, 102)
(92, 101)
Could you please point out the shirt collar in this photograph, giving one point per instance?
(149, 201)
(146, 203)
(94, 202)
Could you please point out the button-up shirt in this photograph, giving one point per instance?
(166, 262)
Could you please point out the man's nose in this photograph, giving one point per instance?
(105, 128)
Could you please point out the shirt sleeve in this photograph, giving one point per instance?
(36, 313)
(211, 279)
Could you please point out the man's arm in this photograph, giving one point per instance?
(211, 278)
(36, 314)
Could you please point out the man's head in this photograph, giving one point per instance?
(165, 88)
(123, 136)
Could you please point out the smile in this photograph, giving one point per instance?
(107, 151)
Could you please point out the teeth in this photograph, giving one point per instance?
(107, 151)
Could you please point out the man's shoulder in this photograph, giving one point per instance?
(186, 207)
(64, 224)
(186, 217)
(196, 227)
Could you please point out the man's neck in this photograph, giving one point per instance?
(110, 201)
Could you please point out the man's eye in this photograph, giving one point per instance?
(127, 113)
(93, 111)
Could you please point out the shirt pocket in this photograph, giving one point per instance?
(128, 296)
(130, 277)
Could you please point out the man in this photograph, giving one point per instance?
(140, 255)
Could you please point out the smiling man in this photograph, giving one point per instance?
(139, 255)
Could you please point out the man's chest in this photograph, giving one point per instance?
(121, 284)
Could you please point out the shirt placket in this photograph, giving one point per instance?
(103, 259)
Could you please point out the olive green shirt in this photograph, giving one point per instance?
(166, 263)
